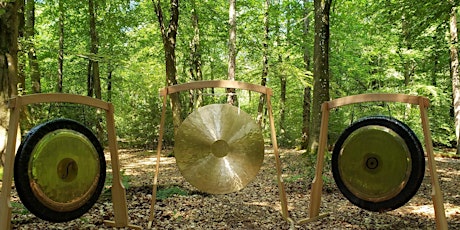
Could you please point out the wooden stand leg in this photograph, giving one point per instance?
(317, 184)
(120, 208)
(436, 194)
(5, 205)
(282, 191)
(157, 166)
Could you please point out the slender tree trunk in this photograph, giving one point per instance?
(306, 117)
(260, 108)
(109, 82)
(169, 43)
(22, 34)
(211, 66)
(89, 78)
(307, 90)
(192, 92)
(231, 99)
(282, 111)
(29, 35)
(454, 72)
(61, 47)
(93, 65)
(95, 74)
(408, 64)
(195, 57)
(9, 27)
(320, 71)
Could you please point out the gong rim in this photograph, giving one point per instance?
(59, 170)
(378, 163)
(219, 149)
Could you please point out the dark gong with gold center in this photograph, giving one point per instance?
(219, 148)
(378, 163)
(59, 170)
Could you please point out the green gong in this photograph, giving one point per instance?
(59, 170)
(378, 163)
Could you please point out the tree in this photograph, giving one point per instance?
(321, 69)
(29, 36)
(260, 108)
(94, 81)
(454, 71)
(231, 99)
(9, 27)
(363, 57)
(169, 42)
(307, 90)
(195, 58)
(61, 46)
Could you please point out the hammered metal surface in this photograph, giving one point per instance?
(64, 170)
(219, 149)
(374, 163)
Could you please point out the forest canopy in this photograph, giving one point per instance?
(375, 46)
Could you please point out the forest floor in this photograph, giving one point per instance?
(257, 206)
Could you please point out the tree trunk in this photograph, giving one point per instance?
(260, 108)
(89, 79)
(195, 58)
(282, 111)
(9, 24)
(320, 71)
(95, 75)
(307, 90)
(231, 99)
(22, 34)
(454, 72)
(94, 65)
(109, 82)
(406, 44)
(436, 62)
(169, 43)
(306, 117)
(61, 47)
(29, 35)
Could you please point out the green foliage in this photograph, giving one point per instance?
(376, 46)
(167, 192)
(19, 208)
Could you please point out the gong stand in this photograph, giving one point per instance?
(15, 106)
(423, 103)
(220, 84)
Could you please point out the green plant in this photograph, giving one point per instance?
(294, 178)
(170, 191)
(19, 208)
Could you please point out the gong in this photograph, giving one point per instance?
(378, 163)
(59, 170)
(219, 148)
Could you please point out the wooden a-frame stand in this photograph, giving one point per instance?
(423, 103)
(221, 84)
(15, 106)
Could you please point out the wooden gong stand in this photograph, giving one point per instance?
(220, 84)
(118, 191)
(423, 103)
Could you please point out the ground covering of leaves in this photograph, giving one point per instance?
(257, 206)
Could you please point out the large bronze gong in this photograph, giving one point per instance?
(378, 163)
(219, 149)
(59, 170)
